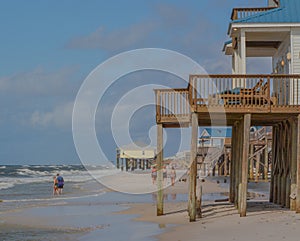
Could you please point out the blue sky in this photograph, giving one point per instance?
(49, 47)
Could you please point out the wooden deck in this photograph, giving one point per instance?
(219, 97)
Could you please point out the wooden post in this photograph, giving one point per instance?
(298, 165)
(126, 164)
(118, 158)
(159, 162)
(293, 165)
(199, 200)
(244, 166)
(193, 169)
(225, 163)
(271, 199)
(239, 163)
(251, 175)
(232, 165)
(280, 168)
(266, 161)
(257, 167)
(274, 180)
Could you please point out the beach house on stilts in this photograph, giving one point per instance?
(246, 100)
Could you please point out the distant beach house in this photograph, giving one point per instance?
(214, 137)
(135, 156)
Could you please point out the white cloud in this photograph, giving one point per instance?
(114, 40)
(38, 82)
(61, 116)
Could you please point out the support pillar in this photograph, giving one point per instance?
(298, 165)
(225, 163)
(159, 162)
(193, 169)
(232, 165)
(244, 164)
(293, 166)
(251, 175)
(266, 161)
(257, 167)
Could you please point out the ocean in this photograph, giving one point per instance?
(85, 210)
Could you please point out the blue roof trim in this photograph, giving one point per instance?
(217, 132)
(226, 43)
(288, 12)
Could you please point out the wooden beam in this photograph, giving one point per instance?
(159, 162)
(244, 166)
(193, 169)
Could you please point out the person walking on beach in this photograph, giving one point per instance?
(60, 183)
(153, 174)
(173, 176)
(165, 175)
(55, 188)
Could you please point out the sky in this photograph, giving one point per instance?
(49, 47)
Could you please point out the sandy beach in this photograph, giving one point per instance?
(90, 211)
(221, 221)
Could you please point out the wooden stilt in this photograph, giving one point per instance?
(232, 165)
(285, 160)
(251, 164)
(199, 200)
(126, 164)
(266, 161)
(257, 167)
(225, 163)
(159, 162)
(275, 164)
(193, 169)
(239, 163)
(236, 166)
(271, 195)
(293, 165)
(244, 166)
(298, 165)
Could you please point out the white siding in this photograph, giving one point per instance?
(295, 41)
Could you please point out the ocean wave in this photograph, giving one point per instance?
(54, 198)
(2, 167)
(27, 175)
(6, 185)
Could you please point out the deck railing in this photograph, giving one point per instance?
(256, 92)
(229, 93)
(172, 103)
(239, 13)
